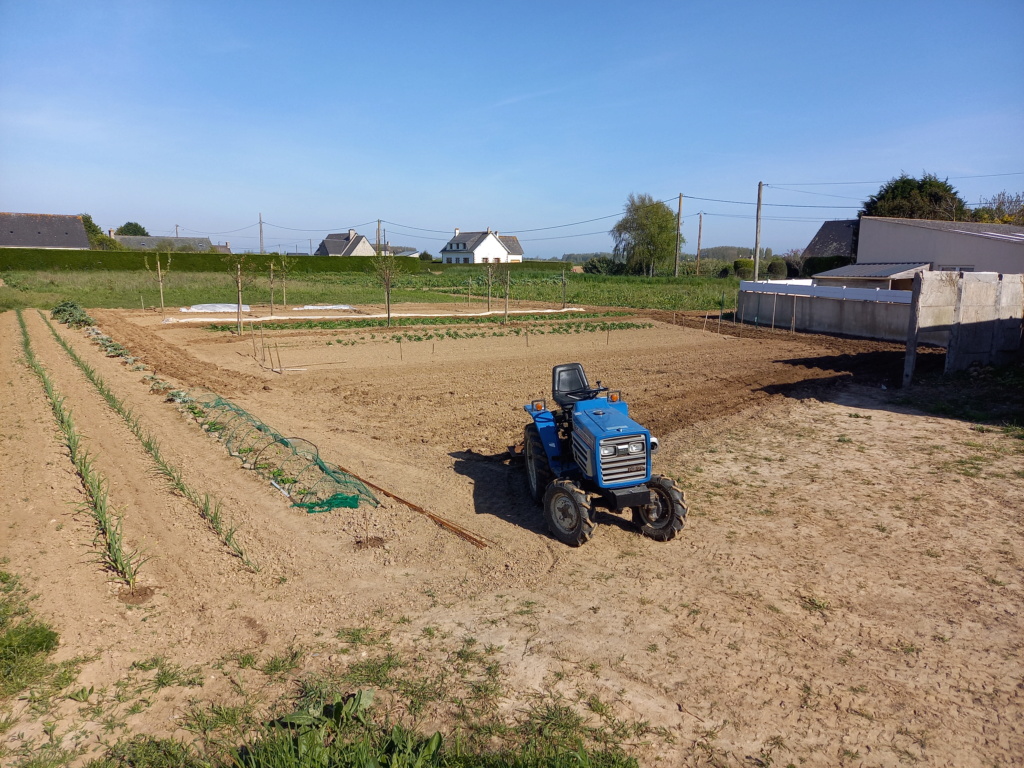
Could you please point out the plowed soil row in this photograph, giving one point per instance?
(847, 590)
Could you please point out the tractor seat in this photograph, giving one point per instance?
(567, 378)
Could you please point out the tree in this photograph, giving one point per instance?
(384, 266)
(908, 198)
(426, 256)
(97, 240)
(236, 262)
(132, 228)
(1002, 208)
(645, 237)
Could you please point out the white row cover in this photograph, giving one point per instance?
(804, 288)
(215, 308)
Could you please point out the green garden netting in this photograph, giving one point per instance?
(292, 464)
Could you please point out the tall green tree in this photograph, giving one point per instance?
(132, 228)
(908, 198)
(645, 236)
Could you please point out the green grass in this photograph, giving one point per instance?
(118, 288)
(25, 641)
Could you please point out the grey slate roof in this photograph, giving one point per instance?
(511, 243)
(905, 269)
(468, 241)
(833, 238)
(42, 230)
(340, 244)
(999, 231)
(187, 244)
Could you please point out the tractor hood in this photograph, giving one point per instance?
(604, 419)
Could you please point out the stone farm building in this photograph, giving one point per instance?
(482, 248)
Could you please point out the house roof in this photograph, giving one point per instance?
(139, 243)
(42, 230)
(511, 243)
(895, 270)
(341, 244)
(833, 238)
(1012, 232)
(469, 241)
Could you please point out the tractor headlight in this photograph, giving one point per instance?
(637, 447)
(607, 450)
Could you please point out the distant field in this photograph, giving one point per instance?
(120, 280)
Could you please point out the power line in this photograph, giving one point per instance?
(885, 181)
(317, 229)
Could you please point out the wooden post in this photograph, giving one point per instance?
(700, 231)
(238, 284)
(280, 366)
(271, 289)
(252, 334)
(679, 228)
(508, 287)
(705, 321)
(401, 353)
(563, 287)
(143, 300)
(913, 326)
(757, 232)
(160, 280)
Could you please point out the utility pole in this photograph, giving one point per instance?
(310, 246)
(757, 233)
(679, 226)
(175, 230)
(261, 233)
(377, 248)
(700, 231)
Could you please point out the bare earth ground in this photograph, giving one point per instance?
(847, 589)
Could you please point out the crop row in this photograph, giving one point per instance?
(402, 322)
(123, 563)
(209, 509)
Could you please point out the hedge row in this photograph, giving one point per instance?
(53, 259)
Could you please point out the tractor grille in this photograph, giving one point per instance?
(581, 453)
(624, 466)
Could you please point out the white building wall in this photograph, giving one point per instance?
(887, 242)
(490, 249)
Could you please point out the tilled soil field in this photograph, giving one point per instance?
(847, 589)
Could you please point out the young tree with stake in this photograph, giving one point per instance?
(385, 269)
(159, 275)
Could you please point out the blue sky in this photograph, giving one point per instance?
(514, 116)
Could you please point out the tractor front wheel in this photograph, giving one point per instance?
(538, 471)
(567, 513)
(666, 516)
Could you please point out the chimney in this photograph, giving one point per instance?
(110, 232)
(227, 245)
(351, 234)
(456, 231)
(488, 230)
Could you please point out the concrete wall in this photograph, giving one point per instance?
(817, 314)
(981, 315)
(889, 242)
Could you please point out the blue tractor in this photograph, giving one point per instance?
(589, 453)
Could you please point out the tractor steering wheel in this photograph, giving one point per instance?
(585, 393)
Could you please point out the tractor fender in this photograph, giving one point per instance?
(545, 421)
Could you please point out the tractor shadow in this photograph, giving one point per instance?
(500, 489)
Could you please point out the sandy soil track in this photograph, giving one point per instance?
(847, 590)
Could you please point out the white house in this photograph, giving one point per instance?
(482, 248)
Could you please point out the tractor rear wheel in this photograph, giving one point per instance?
(666, 516)
(567, 513)
(538, 471)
